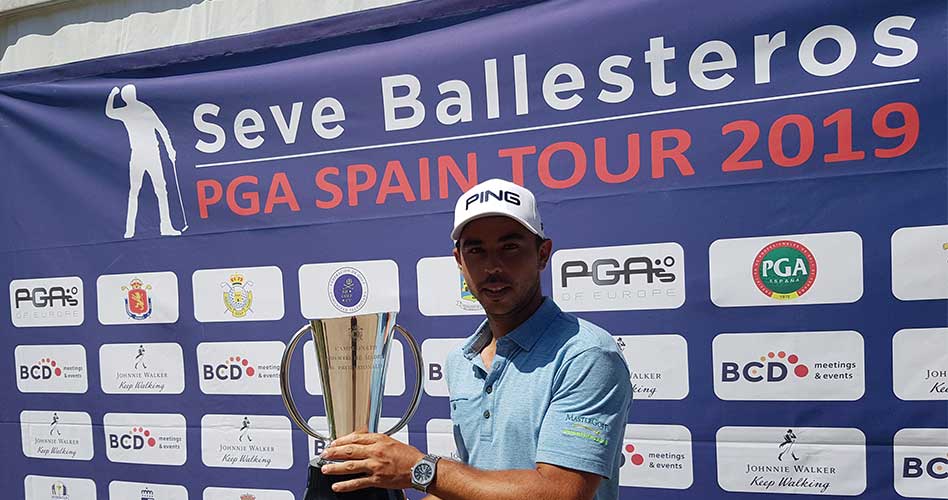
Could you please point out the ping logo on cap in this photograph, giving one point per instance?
(485, 196)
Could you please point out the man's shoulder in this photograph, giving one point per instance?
(577, 335)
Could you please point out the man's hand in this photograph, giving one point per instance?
(385, 461)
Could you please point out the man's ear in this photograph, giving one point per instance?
(546, 248)
(457, 256)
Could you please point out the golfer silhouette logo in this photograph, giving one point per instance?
(142, 123)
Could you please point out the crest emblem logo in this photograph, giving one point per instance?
(348, 289)
(238, 296)
(137, 301)
(784, 270)
(58, 491)
(466, 290)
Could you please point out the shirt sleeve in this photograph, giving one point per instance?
(585, 423)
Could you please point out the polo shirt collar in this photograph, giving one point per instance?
(525, 335)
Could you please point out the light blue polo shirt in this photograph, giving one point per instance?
(558, 393)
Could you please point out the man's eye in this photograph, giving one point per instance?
(511, 246)
(474, 250)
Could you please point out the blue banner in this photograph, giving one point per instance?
(171, 217)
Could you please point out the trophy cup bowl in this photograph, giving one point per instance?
(352, 354)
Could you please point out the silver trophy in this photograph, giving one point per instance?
(352, 354)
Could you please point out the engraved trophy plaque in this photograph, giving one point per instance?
(352, 354)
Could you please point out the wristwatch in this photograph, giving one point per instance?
(423, 472)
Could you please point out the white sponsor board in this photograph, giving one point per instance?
(921, 463)
(656, 456)
(434, 352)
(47, 302)
(920, 364)
(51, 368)
(803, 460)
(619, 278)
(60, 435)
(58, 488)
(215, 493)
(137, 298)
(122, 490)
(340, 289)
(820, 268)
(246, 441)
(789, 366)
(658, 365)
(145, 368)
(394, 376)
(146, 438)
(920, 263)
(238, 294)
(240, 367)
(442, 289)
(319, 424)
(440, 435)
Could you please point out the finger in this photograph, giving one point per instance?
(343, 468)
(355, 438)
(353, 484)
(346, 452)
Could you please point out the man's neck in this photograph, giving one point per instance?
(501, 325)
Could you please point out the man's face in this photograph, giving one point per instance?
(501, 263)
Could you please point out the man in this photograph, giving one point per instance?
(142, 122)
(539, 399)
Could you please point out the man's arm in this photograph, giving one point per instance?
(110, 104)
(165, 137)
(387, 463)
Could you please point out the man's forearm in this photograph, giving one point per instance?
(457, 481)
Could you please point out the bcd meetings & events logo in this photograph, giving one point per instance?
(806, 460)
(58, 488)
(246, 441)
(822, 268)
(920, 364)
(339, 289)
(791, 366)
(658, 365)
(156, 368)
(443, 290)
(240, 367)
(920, 457)
(63, 435)
(238, 294)
(46, 302)
(146, 438)
(51, 368)
(434, 352)
(137, 298)
(656, 456)
(920, 263)
(619, 278)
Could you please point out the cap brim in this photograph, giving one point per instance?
(460, 228)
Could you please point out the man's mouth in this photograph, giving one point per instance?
(494, 290)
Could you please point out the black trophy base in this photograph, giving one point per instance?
(319, 487)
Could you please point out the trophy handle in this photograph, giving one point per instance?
(419, 367)
(285, 385)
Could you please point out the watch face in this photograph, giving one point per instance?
(423, 473)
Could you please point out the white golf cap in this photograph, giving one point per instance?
(497, 197)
